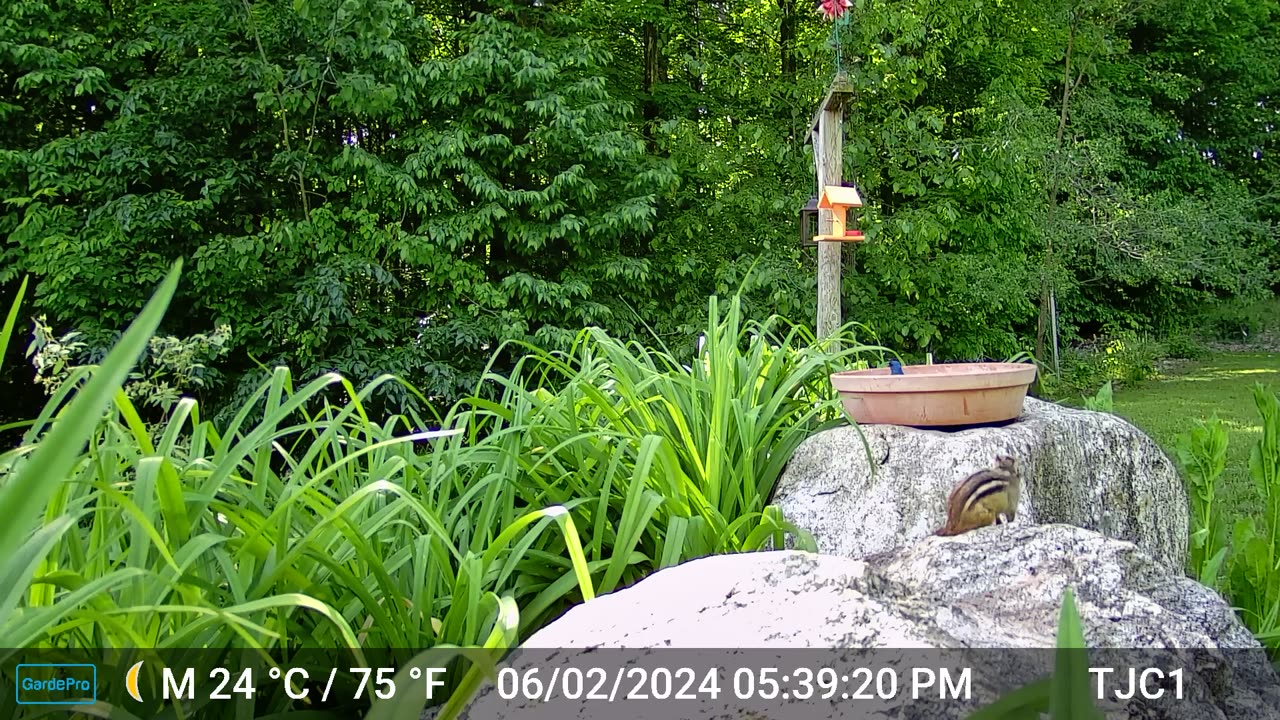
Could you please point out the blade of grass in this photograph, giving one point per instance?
(1028, 701)
(1071, 693)
(11, 320)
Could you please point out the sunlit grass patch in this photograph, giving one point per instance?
(1220, 385)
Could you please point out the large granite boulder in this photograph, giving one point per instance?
(988, 601)
(1088, 469)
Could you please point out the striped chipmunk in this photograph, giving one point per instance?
(984, 498)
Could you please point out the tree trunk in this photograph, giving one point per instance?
(787, 38)
(655, 73)
(1054, 188)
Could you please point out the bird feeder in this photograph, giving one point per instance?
(838, 199)
(809, 222)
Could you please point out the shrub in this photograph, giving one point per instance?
(1082, 371)
(1130, 358)
(1123, 358)
(1238, 319)
(169, 368)
(1184, 346)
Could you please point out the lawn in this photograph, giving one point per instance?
(1220, 384)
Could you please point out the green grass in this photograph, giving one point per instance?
(1221, 384)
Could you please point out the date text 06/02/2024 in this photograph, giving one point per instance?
(764, 683)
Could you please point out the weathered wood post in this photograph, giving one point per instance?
(827, 133)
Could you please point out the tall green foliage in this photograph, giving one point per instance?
(285, 528)
(1256, 572)
(1202, 452)
(1250, 555)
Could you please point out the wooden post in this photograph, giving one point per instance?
(827, 133)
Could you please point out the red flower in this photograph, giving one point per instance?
(832, 9)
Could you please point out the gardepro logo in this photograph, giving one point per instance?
(57, 684)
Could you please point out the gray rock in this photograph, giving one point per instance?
(1088, 469)
(987, 601)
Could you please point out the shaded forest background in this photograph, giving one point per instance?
(401, 186)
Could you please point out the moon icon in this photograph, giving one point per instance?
(131, 681)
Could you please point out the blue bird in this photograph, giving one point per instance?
(895, 367)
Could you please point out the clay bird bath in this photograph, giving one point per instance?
(936, 395)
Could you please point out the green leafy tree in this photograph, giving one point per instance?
(360, 186)
(400, 186)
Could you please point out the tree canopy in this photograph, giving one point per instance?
(402, 186)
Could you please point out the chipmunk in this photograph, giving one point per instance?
(984, 498)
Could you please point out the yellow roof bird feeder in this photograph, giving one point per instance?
(838, 199)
